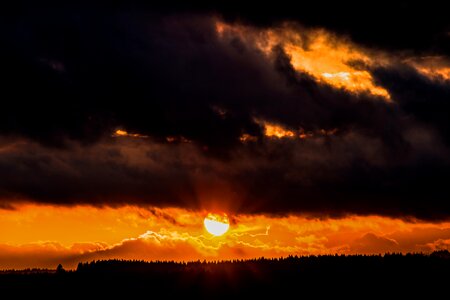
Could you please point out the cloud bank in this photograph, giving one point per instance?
(204, 107)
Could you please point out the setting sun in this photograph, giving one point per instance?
(216, 224)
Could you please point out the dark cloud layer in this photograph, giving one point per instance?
(74, 75)
(399, 25)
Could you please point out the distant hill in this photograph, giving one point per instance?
(328, 275)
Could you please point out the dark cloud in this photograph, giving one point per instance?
(326, 176)
(74, 75)
(399, 25)
(161, 76)
(105, 174)
(420, 97)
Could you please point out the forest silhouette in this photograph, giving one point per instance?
(359, 276)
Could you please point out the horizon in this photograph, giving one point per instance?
(437, 254)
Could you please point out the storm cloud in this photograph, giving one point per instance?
(192, 103)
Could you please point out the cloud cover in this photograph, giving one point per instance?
(77, 74)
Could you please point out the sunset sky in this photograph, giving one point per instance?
(317, 131)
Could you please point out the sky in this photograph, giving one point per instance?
(317, 131)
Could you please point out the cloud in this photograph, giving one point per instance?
(371, 243)
(164, 76)
(171, 109)
(326, 175)
(440, 244)
(419, 95)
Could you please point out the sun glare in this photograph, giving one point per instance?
(216, 224)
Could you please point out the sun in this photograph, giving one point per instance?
(216, 224)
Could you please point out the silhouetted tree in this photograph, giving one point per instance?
(60, 269)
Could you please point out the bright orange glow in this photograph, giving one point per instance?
(327, 58)
(216, 224)
(434, 67)
(277, 131)
(43, 236)
(120, 132)
(443, 73)
(273, 130)
(123, 133)
(329, 63)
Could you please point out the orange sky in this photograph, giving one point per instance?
(43, 236)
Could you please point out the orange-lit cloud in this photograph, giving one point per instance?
(247, 138)
(434, 67)
(177, 139)
(123, 133)
(273, 130)
(43, 236)
(327, 58)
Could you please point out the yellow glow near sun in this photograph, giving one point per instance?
(216, 224)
